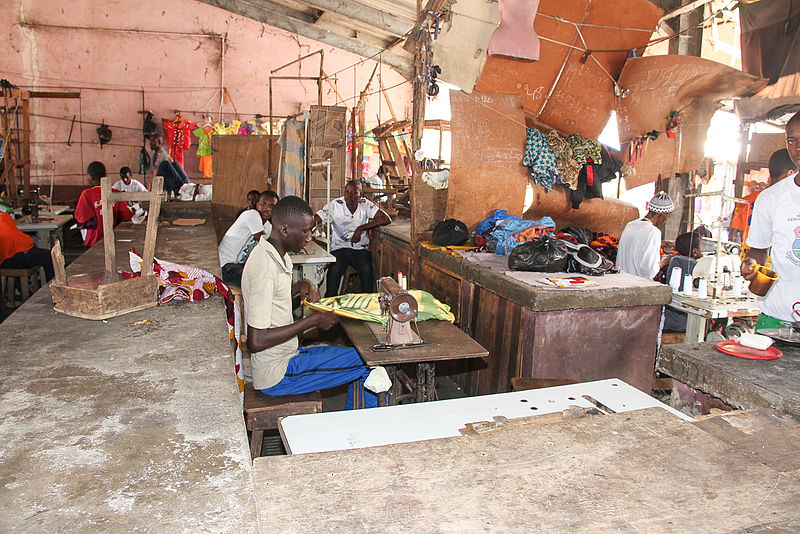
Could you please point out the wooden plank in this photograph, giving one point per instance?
(58, 263)
(109, 245)
(239, 165)
(488, 144)
(154, 209)
(643, 471)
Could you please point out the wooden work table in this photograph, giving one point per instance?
(533, 331)
(642, 471)
(129, 424)
(441, 341)
(737, 381)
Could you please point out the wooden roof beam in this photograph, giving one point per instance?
(270, 13)
(365, 14)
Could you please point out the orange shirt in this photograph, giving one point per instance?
(12, 241)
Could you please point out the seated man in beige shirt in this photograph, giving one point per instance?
(280, 367)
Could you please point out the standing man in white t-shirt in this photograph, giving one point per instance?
(243, 235)
(775, 233)
(351, 217)
(639, 251)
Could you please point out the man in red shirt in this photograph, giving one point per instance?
(88, 211)
(17, 250)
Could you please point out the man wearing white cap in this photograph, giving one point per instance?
(640, 243)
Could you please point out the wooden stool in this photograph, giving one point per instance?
(31, 278)
(262, 412)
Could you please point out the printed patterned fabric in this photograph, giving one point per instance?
(192, 284)
(584, 149)
(366, 307)
(291, 173)
(565, 163)
(540, 160)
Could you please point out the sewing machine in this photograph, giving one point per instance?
(401, 308)
(719, 269)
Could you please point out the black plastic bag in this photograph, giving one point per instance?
(546, 254)
(583, 235)
(450, 232)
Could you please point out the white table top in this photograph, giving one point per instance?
(331, 431)
(312, 253)
(744, 306)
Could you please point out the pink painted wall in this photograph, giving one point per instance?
(172, 60)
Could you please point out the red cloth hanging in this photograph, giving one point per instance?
(179, 138)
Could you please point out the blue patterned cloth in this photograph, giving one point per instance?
(540, 160)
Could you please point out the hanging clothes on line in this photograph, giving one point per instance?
(178, 138)
(203, 135)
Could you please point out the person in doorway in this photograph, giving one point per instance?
(88, 211)
(639, 250)
(280, 367)
(242, 236)
(164, 165)
(780, 167)
(18, 251)
(775, 233)
(127, 183)
(252, 200)
(689, 248)
(351, 217)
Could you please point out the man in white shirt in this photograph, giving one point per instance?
(126, 183)
(639, 250)
(280, 366)
(351, 217)
(243, 235)
(775, 233)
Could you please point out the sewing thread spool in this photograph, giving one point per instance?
(702, 288)
(687, 285)
(675, 279)
(737, 286)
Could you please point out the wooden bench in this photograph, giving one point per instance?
(30, 278)
(263, 412)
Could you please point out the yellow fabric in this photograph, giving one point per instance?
(366, 306)
(449, 249)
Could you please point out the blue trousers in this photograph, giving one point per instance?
(324, 367)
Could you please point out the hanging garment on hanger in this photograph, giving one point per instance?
(204, 149)
(178, 138)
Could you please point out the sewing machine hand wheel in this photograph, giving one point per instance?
(403, 308)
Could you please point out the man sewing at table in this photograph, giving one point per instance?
(775, 232)
(639, 250)
(280, 367)
(351, 216)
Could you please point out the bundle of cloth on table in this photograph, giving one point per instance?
(537, 246)
(367, 307)
(582, 165)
